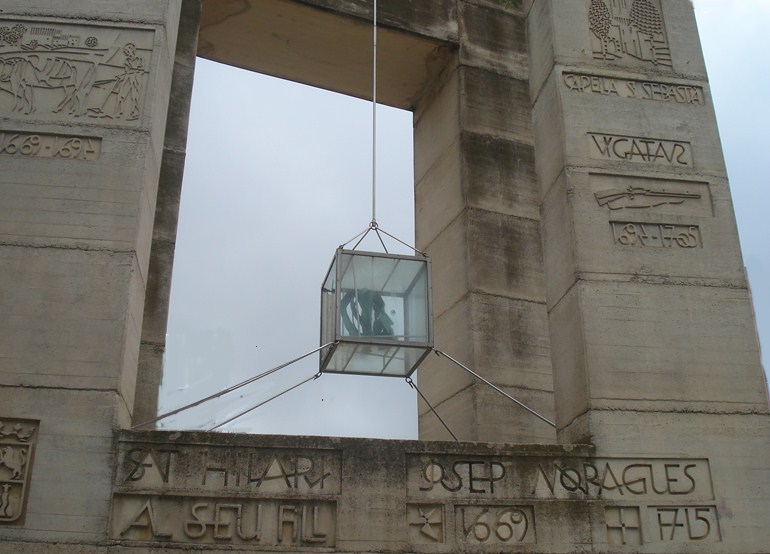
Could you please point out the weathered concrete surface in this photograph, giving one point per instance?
(82, 118)
(477, 215)
(158, 290)
(653, 343)
(571, 192)
(327, 43)
(177, 491)
(359, 495)
(647, 296)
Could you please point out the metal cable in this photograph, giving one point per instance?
(364, 236)
(498, 389)
(376, 230)
(364, 233)
(230, 389)
(373, 224)
(244, 412)
(374, 114)
(432, 409)
(402, 242)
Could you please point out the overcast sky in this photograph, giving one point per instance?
(278, 175)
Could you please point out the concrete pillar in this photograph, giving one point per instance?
(477, 205)
(653, 343)
(156, 302)
(85, 93)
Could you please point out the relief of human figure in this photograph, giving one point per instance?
(128, 85)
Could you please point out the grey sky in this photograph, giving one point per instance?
(279, 174)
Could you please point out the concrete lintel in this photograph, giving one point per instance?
(329, 45)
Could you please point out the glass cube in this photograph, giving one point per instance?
(377, 309)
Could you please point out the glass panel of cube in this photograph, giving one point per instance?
(376, 308)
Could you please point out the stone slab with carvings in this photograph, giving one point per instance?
(271, 493)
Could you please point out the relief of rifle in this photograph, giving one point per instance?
(656, 198)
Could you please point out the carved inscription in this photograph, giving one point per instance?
(426, 523)
(466, 476)
(640, 150)
(217, 468)
(148, 467)
(486, 498)
(685, 523)
(39, 145)
(495, 525)
(224, 521)
(632, 88)
(221, 494)
(634, 525)
(656, 235)
(59, 70)
(447, 477)
(617, 479)
(17, 445)
(629, 30)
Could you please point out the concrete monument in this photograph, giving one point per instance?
(569, 178)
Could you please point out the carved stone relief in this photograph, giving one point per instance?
(684, 524)
(656, 235)
(629, 30)
(443, 477)
(17, 447)
(426, 523)
(188, 468)
(46, 145)
(642, 198)
(639, 209)
(642, 150)
(280, 498)
(236, 521)
(58, 71)
(495, 501)
(496, 525)
(624, 525)
(656, 91)
(635, 195)
(226, 495)
(673, 524)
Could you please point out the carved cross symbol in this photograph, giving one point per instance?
(624, 526)
(430, 521)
